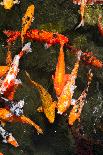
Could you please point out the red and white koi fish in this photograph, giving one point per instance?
(7, 137)
(49, 38)
(65, 99)
(10, 80)
(60, 78)
(78, 106)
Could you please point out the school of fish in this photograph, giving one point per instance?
(64, 83)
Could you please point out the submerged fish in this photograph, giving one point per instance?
(78, 106)
(7, 137)
(65, 99)
(100, 25)
(8, 4)
(27, 20)
(49, 38)
(10, 79)
(60, 78)
(48, 106)
(7, 116)
(82, 9)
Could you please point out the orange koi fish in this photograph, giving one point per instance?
(7, 137)
(100, 25)
(27, 20)
(1, 153)
(65, 99)
(48, 106)
(8, 4)
(49, 38)
(7, 116)
(10, 80)
(60, 78)
(78, 106)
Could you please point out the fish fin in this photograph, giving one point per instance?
(81, 24)
(46, 45)
(40, 109)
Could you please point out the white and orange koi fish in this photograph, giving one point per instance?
(65, 99)
(78, 106)
(10, 80)
(7, 137)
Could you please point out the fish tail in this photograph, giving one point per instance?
(81, 24)
(30, 122)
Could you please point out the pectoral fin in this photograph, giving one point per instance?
(40, 109)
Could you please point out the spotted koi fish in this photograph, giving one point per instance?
(60, 78)
(10, 80)
(49, 38)
(48, 106)
(7, 137)
(7, 116)
(78, 106)
(8, 4)
(65, 99)
(27, 20)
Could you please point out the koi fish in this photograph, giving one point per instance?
(100, 25)
(49, 38)
(89, 59)
(10, 80)
(1, 153)
(65, 99)
(8, 4)
(82, 9)
(60, 78)
(48, 106)
(7, 116)
(78, 106)
(7, 137)
(27, 20)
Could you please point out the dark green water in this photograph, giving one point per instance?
(86, 137)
